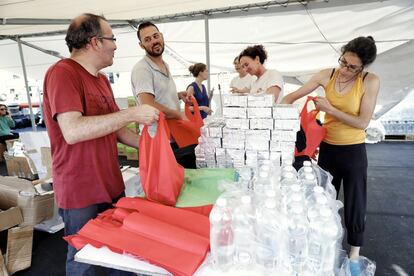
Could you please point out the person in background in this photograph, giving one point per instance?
(351, 95)
(84, 124)
(252, 59)
(151, 79)
(243, 82)
(6, 122)
(198, 90)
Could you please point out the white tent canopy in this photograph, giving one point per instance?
(301, 37)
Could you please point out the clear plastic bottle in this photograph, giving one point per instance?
(261, 185)
(307, 167)
(297, 232)
(221, 236)
(308, 183)
(243, 225)
(323, 236)
(286, 170)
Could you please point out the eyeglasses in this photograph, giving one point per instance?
(3, 109)
(112, 38)
(351, 68)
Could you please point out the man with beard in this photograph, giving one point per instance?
(151, 79)
(152, 84)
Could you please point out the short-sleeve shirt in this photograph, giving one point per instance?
(268, 79)
(147, 77)
(241, 83)
(87, 172)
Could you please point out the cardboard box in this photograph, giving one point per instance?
(2, 150)
(9, 143)
(10, 217)
(19, 248)
(35, 207)
(19, 242)
(19, 166)
(131, 153)
(121, 149)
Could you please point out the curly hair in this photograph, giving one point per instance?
(363, 47)
(255, 51)
(82, 29)
(197, 68)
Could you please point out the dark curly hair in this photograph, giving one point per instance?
(145, 25)
(363, 47)
(81, 30)
(255, 51)
(197, 68)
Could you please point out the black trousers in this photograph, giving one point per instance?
(12, 136)
(348, 165)
(185, 156)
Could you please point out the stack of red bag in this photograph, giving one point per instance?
(173, 238)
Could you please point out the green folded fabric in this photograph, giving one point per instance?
(201, 186)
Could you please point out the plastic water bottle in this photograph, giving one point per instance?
(308, 183)
(307, 167)
(264, 251)
(261, 185)
(243, 225)
(323, 236)
(297, 232)
(221, 235)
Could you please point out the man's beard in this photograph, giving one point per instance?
(155, 54)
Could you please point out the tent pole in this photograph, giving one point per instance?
(26, 83)
(207, 42)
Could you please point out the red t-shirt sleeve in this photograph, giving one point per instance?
(64, 90)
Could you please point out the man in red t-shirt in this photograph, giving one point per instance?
(84, 124)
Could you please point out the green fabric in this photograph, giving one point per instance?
(5, 124)
(201, 186)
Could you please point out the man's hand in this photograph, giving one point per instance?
(145, 114)
(185, 96)
(206, 109)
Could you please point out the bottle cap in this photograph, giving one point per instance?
(307, 163)
(325, 212)
(221, 202)
(270, 193)
(318, 189)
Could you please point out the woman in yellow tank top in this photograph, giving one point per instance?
(349, 103)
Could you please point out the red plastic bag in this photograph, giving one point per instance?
(161, 176)
(313, 131)
(175, 239)
(184, 132)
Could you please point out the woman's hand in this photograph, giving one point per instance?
(323, 104)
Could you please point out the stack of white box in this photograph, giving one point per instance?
(253, 129)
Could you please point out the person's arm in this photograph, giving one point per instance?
(128, 137)
(275, 90)
(366, 110)
(78, 128)
(244, 90)
(10, 121)
(148, 98)
(307, 88)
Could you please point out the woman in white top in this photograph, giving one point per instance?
(243, 82)
(270, 81)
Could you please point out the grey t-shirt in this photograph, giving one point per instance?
(146, 77)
